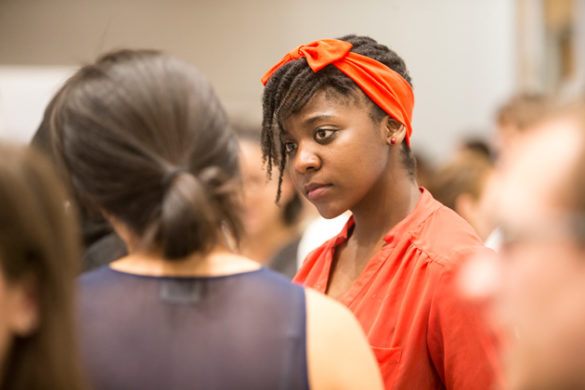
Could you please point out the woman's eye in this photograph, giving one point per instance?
(323, 134)
(289, 147)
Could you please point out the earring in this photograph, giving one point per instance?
(393, 141)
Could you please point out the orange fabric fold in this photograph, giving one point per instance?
(388, 89)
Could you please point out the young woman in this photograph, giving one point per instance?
(337, 118)
(38, 258)
(146, 141)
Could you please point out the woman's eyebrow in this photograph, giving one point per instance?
(316, 118)
(307, 123)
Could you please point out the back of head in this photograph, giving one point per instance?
(466, 173)
(39, 244)
(146, 141)
(523, 110)
(100, 245)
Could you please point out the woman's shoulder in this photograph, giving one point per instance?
(337, 348)
(244, 279)
(445, 237)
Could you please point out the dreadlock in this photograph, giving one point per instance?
(292, 86)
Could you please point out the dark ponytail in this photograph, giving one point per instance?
(189, 216)
(187, 222)
(146, 140)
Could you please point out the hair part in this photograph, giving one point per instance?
(293, 85)
(125, 123)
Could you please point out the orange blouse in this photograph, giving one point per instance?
(423, 333)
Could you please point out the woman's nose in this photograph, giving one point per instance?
(306, 159)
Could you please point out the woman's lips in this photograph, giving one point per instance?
(316, 191)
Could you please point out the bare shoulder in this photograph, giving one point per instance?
(338, 354)
(325, 307)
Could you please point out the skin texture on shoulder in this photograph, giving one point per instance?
(338, 355)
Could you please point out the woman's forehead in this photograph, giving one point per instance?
(329, 100)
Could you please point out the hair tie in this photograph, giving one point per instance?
(170, 175)
(386, 87)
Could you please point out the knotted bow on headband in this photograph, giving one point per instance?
(390, 91)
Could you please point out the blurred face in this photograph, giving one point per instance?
(18, 314)
(506, 139)
(261, 213)
(478, 212)
(336, 153)
(483, 210)
(542, 287)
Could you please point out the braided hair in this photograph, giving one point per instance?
(292, 86)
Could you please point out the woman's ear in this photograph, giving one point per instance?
(23, 306)
(394, 131)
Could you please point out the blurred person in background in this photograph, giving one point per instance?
(425, 169)
(540, 287)
(271, 231)
(514, 117)
(38, 264)
(337, 120)
(145, 140)
(477, 145)
(460, 185)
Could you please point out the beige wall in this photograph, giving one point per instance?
(460, 52)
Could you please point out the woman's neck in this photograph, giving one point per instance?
(393, 201)
(218, 262)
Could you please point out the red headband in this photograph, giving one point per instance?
(385, 87)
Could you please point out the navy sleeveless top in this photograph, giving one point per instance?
(242, 331)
